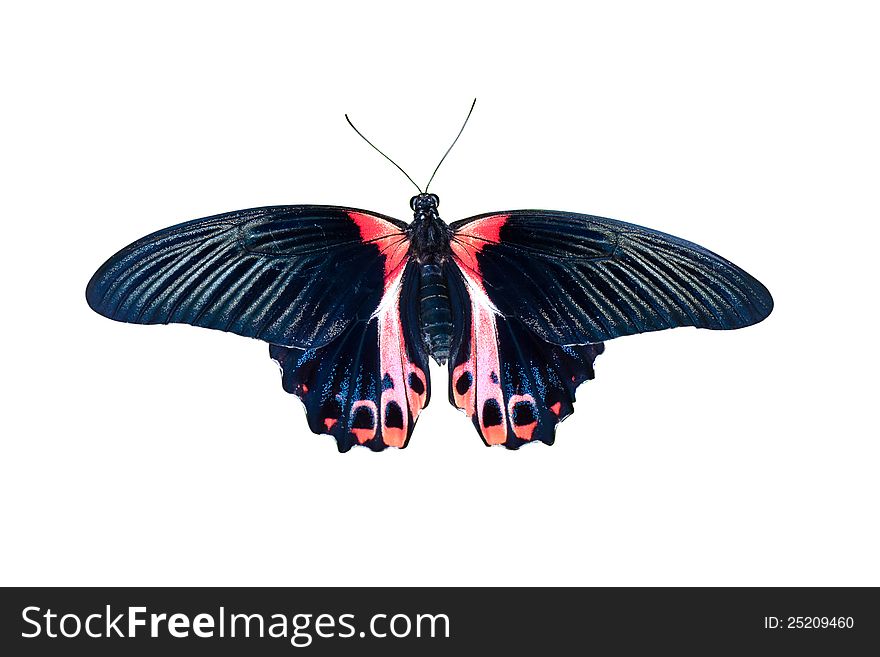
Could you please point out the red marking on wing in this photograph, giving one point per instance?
(391, 241)
(556, 408)
(363, 435)
(470, 239)
(330, 422)
(464, 401)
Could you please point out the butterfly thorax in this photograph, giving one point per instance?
(430, 247)
(428, 234)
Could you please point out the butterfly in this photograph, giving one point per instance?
(517, 305)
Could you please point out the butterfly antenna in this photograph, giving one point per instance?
(453, 144)
(360, 134)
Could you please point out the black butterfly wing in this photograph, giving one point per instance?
(368, 386)
(329, 287)
(575, 279)
(294, 275)
(534, 294)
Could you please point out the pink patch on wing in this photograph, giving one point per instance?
(483, 365)
(470, 239)
(396, 365)
(488, 372)
(390, 240)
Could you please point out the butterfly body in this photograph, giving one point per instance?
(435, 313)
(430, 246)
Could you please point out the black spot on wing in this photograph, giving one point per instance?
(464, 383)
(523, 413)
(491, 415)
(393, 415)
(363, 418)
(416, 383)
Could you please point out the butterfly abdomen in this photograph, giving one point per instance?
(435, 313)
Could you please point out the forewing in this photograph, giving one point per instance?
(297, 275)
(368, 386)
(577, 279)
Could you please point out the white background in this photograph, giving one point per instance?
(142, 455)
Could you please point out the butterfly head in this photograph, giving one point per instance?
(424, 202)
